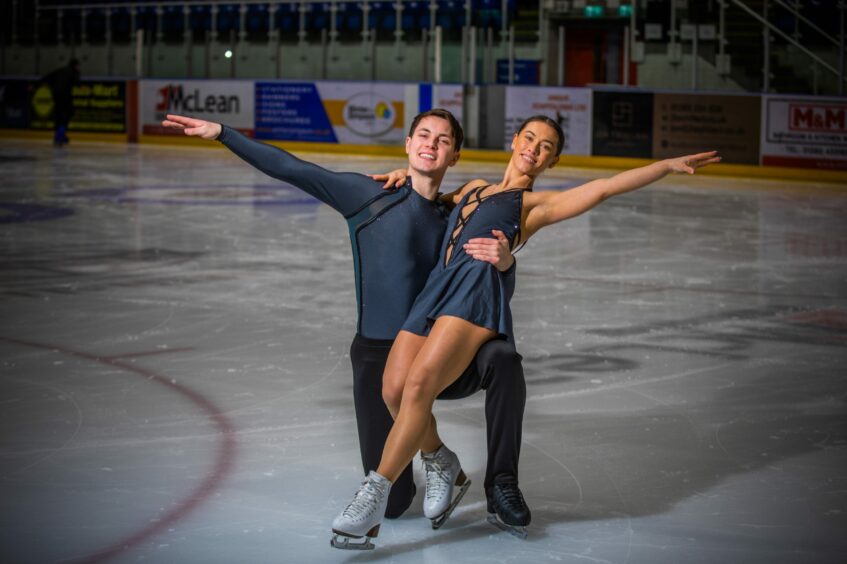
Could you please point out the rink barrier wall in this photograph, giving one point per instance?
(571, 161)
(605, 127)
(836, 177)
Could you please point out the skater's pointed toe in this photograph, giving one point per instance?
(340, 523)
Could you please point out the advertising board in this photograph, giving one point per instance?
(223, 101)
(692, 123)
(808, 132)
(570, 107)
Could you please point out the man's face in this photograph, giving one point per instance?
(431, 148)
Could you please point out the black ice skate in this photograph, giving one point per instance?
(507, 509)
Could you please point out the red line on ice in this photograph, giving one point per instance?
(223, 463)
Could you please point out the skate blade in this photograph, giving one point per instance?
(514, 530)
(343, 541)
(441, 519)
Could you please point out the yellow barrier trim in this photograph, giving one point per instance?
(473, 155)
(87, 136)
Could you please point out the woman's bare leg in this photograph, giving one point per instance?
(400, 359)
(403, 352)
(442, 358)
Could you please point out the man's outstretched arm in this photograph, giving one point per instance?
(343, 191)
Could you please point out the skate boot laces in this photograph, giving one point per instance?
(511, 497)
(508, 502)
(438, 479)
(438, 476)
(365, 501)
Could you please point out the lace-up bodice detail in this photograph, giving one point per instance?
(461, 286)
(468, 208)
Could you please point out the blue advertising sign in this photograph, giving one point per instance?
(527, 71)
(14, 103)
(291, 111)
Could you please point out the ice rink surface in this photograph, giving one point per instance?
(175, 382)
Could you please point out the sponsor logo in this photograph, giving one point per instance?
(42, 101)
(622, 114)
(174, 99)
(369, 115)
(813, 117)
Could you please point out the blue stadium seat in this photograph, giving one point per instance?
(258, 19)
(382, 16)
(488, 13)
(353, 21)
(413, 13)
(229, 18)
(172, 21)
(200, 18)
(287, 18)
(145, 18)
(121, 24)
(95, 24)
(344, 10)
(317, 17)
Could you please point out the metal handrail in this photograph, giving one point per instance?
(796, 13)
(164, 3)
(790, 39)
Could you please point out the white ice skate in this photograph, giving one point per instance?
(443, 473)
(363, 515)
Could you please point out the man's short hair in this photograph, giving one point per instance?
(455, 126)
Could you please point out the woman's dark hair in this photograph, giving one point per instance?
(455, 126)
(552, 123)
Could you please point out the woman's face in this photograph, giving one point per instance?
(534, 148)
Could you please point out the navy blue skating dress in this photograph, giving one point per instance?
(461, 286)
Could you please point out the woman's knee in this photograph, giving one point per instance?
(392, 392)
(420, 386)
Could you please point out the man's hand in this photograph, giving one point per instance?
(496, 250)
(395, 178)
(194, 127)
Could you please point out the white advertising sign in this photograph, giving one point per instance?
(449, 97)
(570, 107)
(804, 131)
(224, 101)
(364, 112)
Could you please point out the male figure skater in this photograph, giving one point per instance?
(395, 236)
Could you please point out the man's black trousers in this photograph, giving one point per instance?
(496, 369)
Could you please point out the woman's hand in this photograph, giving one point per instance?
(394, 179)
(194, 127)
(496, 250)
(689, 163)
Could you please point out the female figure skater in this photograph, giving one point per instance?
(464, 303)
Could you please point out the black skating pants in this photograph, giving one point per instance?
(496, 369)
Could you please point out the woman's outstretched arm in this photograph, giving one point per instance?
(552, 207)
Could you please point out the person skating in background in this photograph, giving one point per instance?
(61, 83)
